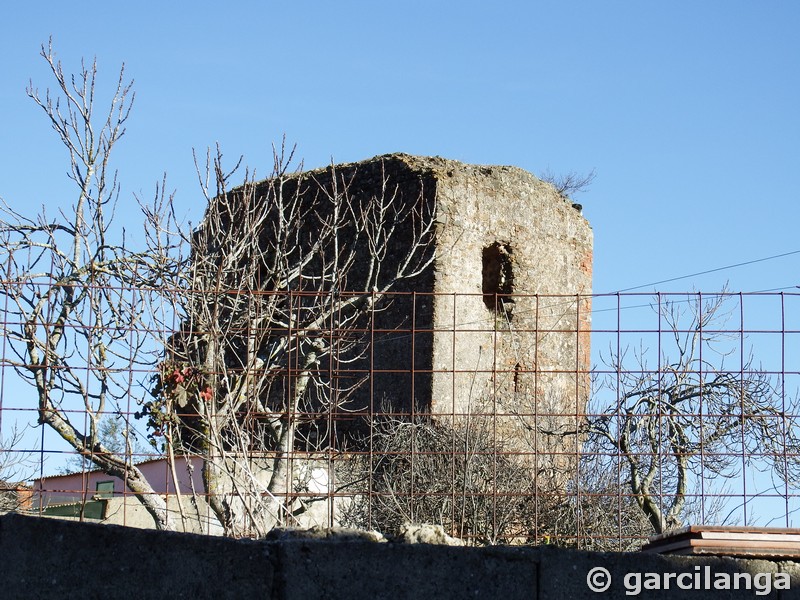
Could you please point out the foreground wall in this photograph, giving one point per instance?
(45, 558)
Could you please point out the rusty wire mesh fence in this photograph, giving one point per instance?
(582, 421)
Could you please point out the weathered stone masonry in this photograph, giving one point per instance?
(502, 321)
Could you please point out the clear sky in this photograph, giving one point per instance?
(687, 111)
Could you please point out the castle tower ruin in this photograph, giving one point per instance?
(498, 326)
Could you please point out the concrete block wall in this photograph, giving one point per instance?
(44, 558)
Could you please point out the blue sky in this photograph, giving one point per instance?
(687, 111)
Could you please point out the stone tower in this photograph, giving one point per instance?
(500, 325)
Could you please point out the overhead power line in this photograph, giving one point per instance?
(742, 264)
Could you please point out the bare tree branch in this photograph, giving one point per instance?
(691, 417)
(284, 278)
(70, 289)
(570, 184)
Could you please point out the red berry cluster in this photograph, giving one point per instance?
(176, 385)
(188, 378)
(179, 375)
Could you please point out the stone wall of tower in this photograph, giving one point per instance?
(500, 325)
(520, 358)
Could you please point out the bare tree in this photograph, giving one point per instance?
(264, 304)
(458, 475)
(72, 308)
(689, 418)
(451, 474)
(16, 467)
(116, 437)
(593, 511)
(569, 184)
(284, 280)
